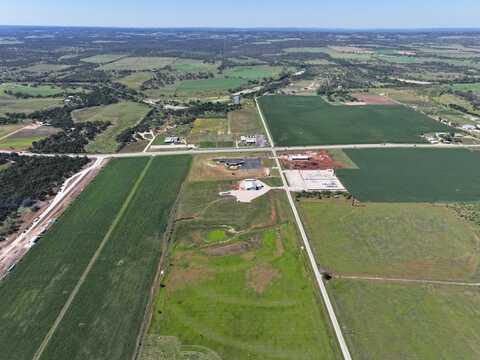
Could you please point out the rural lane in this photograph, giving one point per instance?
(311, 256)
(254, 150)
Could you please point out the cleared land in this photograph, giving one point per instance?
(46, 68)
(128, 204)
(245, 121)
(103, 58)
(139, 63)
(122, 116)
(237, 263)
(254, 72)
(212, 132)
(309, 120)
(27, 106)
(30, 90)
(413, 175)
(136, 80)
(208, 86)
(419, 241)
(392, 321)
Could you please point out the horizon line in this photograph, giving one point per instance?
(243, 28)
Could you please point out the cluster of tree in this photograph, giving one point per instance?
(471, 97)
(162, 79)
(12, 118)
(321, 195)
(72, 140)
(29, 180)
(461, 109)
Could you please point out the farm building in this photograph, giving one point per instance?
(172, 140)
(251, 185)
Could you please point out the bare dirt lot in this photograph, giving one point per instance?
(317, 160)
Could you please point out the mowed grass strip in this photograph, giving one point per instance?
(106, 315)
(414, 241)
(397, 322)
(413, 175)
(33, 295)
(309, 120)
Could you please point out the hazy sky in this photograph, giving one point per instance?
(243, 13)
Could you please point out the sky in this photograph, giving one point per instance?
(244, 13)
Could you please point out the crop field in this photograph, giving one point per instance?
(103, 58)
(242, 262)
(136, 80)
(23, 139)
(254, 72)
(408, 321)
(35, 292)
(139, 63)
(27, 106)
(413, 175)
(112, 210)
(309, 120)
(393, 240)
(122, 116)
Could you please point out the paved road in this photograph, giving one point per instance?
(257, 149)
(311, 257)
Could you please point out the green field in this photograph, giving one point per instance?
(8, 129)
(27, 106)
(253, 72)
(237, 263)
(393, 240)
(193, 66)
(210, 132)
(122, 116)
(413, 175)
(19, 143)
(30, 90)
(245, 121)
(208, 86)
(309, 120)
(136, 80)
(139, 63)
(475, 87)
(398, 322)
(127, 206)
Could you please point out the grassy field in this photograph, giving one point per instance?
(193, 66)
(308, 120)
(122, 116)
(19, 143)
(237, 262)
(397, 322)
(40, 90)
(413, 175)
(34, 293)
(46, 68)
(128, 205)
(475, 87)
(139, 63)
(393, 240)
(245, 121)
(103, 58)
(210, 133)
(253, 72)
(27, 106)
(8, 129)
(208, 87)
(136, 80)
